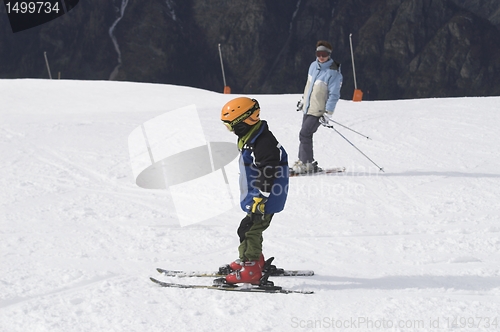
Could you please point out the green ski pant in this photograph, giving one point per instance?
(250, 233)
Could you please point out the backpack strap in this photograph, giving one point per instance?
(335, 65)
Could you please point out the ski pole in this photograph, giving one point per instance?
(350, 129)
(330, 126)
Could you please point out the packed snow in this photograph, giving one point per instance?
(414, 248)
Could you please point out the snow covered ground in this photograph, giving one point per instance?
(416, 248)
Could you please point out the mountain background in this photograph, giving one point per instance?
(402, 48)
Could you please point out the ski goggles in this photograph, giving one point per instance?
(322, 54)
(228, 125)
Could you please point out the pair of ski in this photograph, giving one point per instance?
(265, 286)
(325, 171)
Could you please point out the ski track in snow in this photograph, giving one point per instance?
(418, 244)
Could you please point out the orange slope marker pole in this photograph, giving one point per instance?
(358, 94)
(227, 89)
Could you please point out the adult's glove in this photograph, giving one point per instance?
(327, 116)
(300, 104)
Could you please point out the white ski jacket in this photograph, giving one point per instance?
(322, 90)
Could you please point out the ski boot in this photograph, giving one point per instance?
(254, 273)
(267, 270)
(249, 274)
(241, 272)
(308, 168)
(236, 265)
(231, 267)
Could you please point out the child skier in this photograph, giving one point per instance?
(263, 184)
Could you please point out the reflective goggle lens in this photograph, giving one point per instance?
(322, 54)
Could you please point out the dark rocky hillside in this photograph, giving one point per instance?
(402, 48)
(488, 9)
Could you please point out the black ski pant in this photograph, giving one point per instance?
(310, 124)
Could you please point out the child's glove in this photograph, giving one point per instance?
(259, 204)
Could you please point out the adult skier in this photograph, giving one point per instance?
(263, 184)
(321, 94)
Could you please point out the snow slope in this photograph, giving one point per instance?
(416, 248)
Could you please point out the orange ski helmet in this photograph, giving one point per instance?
(241, 109)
